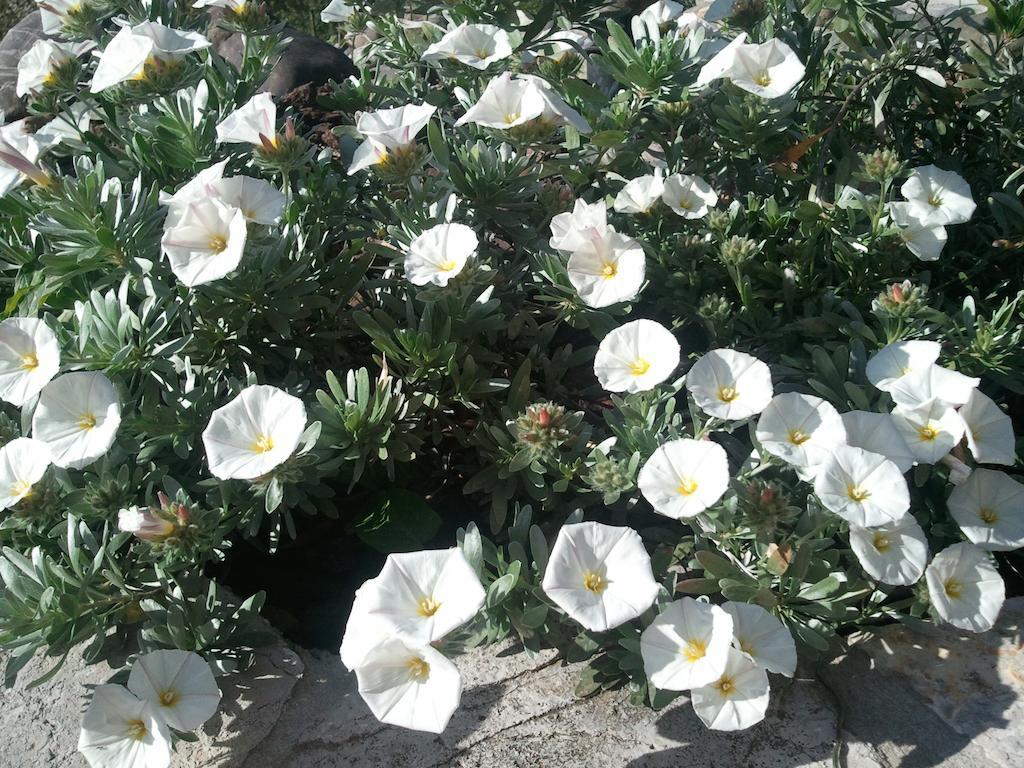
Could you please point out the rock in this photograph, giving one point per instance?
(14, 45)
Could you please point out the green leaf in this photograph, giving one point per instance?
(397, 520)
(821, 589)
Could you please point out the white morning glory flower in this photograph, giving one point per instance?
(924, 240)
(989, 431)
(989, 508)
(77, 417)
(122, 731)
(29, 358)
(587, 222)
(661, 12)
(769, 70)
(422, 596)
(364, 631)
(933, 383)
(607, 270)
(409, 686)
(762, 637)
(336, 11)
(896, 360)
(556, 111)
(738, 699)
(636, 357)
(938, 197)
(877, 433)
(255, 122)
(55, 13)
(689, 196)
(684, 477)
(196, 190)
(19, 156)
(600, 575)
(388, 133)
(507, 102)
(143, 524)
(253, 433)
(179, 685)
(929, 430)
(439, 254)
(892, 554)
(476, 45)
(37, 68)
(235, 5)
(206, 243)
(687, 645)
(640, 194)
(23, 462)
(729, 384)
(861, 487)
(258, 200)
(134, 48)
(800, 429)
(965, 588)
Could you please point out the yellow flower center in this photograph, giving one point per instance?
(881, 542)
(263, 444)
(419, 669)
(428, 607)
(447, 265)
(727, 394)
(218, 243)
(694, 650)
(687, 486)
(763, 79)
(87, 421)
(29, 362)
(594, 582)
(745, 646)
(988, 515)
(49, 79)
(928, 433)
(798, 436)
(857, 493)
(954, 588)
(725, 686)
(686, 204)
(609, 269)
(21, 489)
(511, 117)
(169, 698)
(481, 53)
(143, 73)
(137, 730)
(935, 201)
(639, 367)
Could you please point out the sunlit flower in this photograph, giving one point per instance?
(439, 254)
(689, 196)
(800, 429)
(409, 686)
(861, 487)
(253, 433)
(684, 477)
(142, 523)
(564, 42)
(29, 358)
(929, 430)
(586, 223)
(556, 111)
(38, 67)
(640, 194)
(77, 417)
(23, 462)
(258, 200)
(607, 270)
(196, 190)
(255, 122)
(180, 686)
(922, 239)
(877, 433)
(762, 637)
(895, 361)
(938, 197)
(892, 554)
(336, 11)
(56, 13)
(662, 12)
(989, 508)
(729, 384)
(636, 357)
(770, 69)
(989, 431)
(476, 45)
(738, 699)
(422, 596)
(120, 730)
(134, 50)
(238, 6)
(364, 630)
(965, 588)
(388, 133)
(600, 575)
(507, 102)
(206, 243)
(933, 382)
(19, 156)
(687, 645)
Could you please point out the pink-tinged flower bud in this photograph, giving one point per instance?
(897, 293)
(144, 524)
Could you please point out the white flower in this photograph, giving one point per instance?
(738, 699)
(989, 508)
(133, 49)
(769, 70)
(600, 575)
(636, 357)
(37, 68)
(336, 11)
(564, 42)
(607, 270)
(929, 430)
(422, 596)
(409, 686)
(587, 222)
(206, 243)
(253, 433)
(29, 358)
(932, 383)
(684, 477)
(507, 102)
(892, 554)
(861, 487)
(477, 45)
(196, 190)
(661, 12)
(938, 197)
(729, 384)
(255, 122)
(179, 685)
(23, 462)
(77, 417)
(388, 132)
(55, 13)
(122, 731)
(235, 5)
(896, 360)
(800, 429)
(965, 588)
(258, 200)
(989, 431)
(762, 637)
(687, 645)
(143, 524)
(364, 631)
(556, 111)
(640, 194)
(439, 254)
(689, 196)
(922, 239)
(19, 156)
(877, 433)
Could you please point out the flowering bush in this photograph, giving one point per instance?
(711, 314)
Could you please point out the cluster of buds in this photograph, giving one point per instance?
(881, 166)
(900, 300)
(544, 427)
(245, 16)
(738, 250)
(156, 524)
(282, 151)
(397, 166)
(610, 477)
(765, 507)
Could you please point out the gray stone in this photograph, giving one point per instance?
(14, 45)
